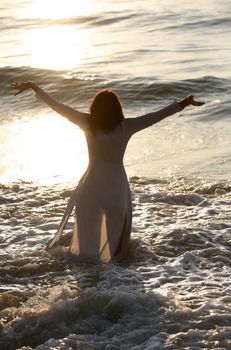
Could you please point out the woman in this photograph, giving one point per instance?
(102, 199)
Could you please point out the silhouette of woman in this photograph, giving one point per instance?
(102, 199)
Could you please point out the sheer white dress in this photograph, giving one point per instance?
(102, 199)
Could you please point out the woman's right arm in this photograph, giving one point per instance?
(73, 115)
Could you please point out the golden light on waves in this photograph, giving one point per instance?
(58, 9)
(44, 149)
(56, 45)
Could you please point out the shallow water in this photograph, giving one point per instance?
(171, 292)
(173, 289)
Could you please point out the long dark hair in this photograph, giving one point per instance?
(105, 111)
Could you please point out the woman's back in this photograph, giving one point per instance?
(107, 147)
(103, 202)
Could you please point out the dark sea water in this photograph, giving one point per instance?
(173, 289)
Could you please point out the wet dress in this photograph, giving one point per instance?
(102, 199)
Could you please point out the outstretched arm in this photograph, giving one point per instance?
(144, 121)
(71, 114)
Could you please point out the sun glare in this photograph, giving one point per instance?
(58, 9)
(44, 149)
(55, 47)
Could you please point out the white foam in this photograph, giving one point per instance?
(175, 278)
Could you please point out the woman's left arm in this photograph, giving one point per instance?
(136, 124)
(73, 115)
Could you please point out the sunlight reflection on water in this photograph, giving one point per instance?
(43, 149)
(52, 9)
(54, 47)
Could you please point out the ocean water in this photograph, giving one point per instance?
(173, 289)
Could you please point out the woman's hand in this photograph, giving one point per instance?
(22, 87)
(190, 101)
(193, 102)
